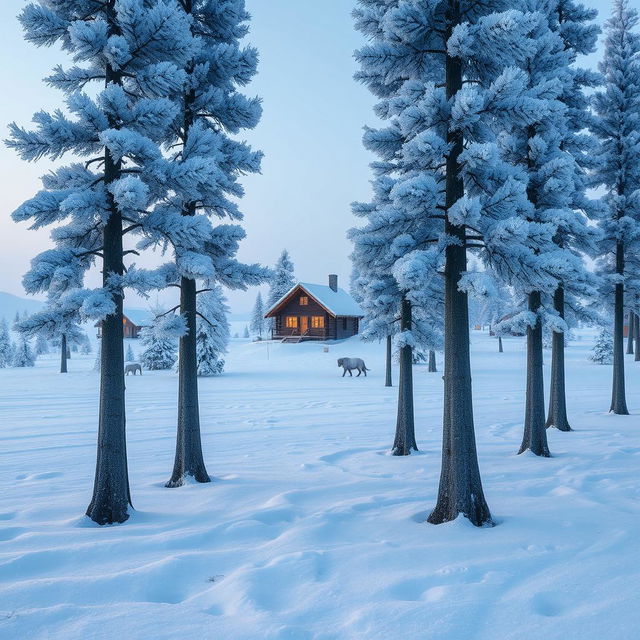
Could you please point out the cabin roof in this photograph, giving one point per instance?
(140, 317)
(337, 303)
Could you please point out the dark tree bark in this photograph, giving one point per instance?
(631, 332)
(189, 460)
(618, 397)
(405, 439)
(557, 416)
(535, 433)
(111, 495)
(460, 489)
(432, 361)
(387, 379)
(500, 349)
(63, 353)
(636, 335)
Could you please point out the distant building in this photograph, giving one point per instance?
(133, 321)
(315, 312)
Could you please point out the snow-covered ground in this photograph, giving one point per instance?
(310, 529)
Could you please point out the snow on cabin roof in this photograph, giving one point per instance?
(338, 303)
(140, 317)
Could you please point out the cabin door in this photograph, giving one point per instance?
(304, 324)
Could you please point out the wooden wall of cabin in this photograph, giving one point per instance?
(293, 308)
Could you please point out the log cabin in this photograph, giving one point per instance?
(315, 312)
(133, 321)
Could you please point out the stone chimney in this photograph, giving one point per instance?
(333, 282)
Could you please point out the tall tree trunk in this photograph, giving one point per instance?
(432, 361)
(189, 460)
(405, 439)
(111, 495)
(618, 399)
(500, 349)
(535, 434)
(557, 416)
(636, 335)
(387, 379)
(631, 330)
(460, 489)
(63, 353)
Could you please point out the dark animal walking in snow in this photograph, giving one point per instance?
(349, 364)
(132, 368)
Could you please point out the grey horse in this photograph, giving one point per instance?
(348, 364)
(132, 368)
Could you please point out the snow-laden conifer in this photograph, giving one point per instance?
(447, 76)
(617, 125)
(6, 346)
(58, 322)
(409, 315)
(128, 55)
(555, 188)
(130, 357)
(212, 334)
(159, 352)
(23, 355)
(280, 283)
(258, 322)
(41, 346)
(602, 352)
(198, 220)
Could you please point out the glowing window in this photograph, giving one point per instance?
(317, 322)
(304, 301)
(291, 322)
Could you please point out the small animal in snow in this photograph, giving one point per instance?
(132, 368)
(349, 364)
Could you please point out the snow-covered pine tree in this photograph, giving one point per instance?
(130, 357)
(245, 333)
(555, 189)
(630, 332)
(280, 283)
(159, 351)
(446, 73)
(136, 51)
(602, 352)
(495, 307)
(85, 344)
(42, 346)
(6, 346)
(58, 321)
(207, 162)
(408, 315)
(617, 125)
(212, 332)
(574, 24)
(23, 355)
(257, 325)
(370, 288)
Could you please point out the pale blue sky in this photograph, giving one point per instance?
(314, 164)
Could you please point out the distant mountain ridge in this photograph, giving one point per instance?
(10, 304)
